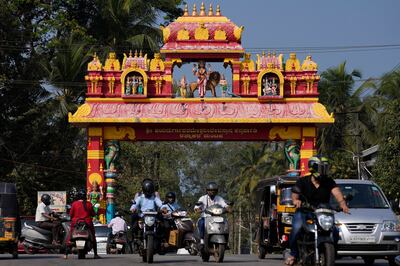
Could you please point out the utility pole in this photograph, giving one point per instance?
(240, 230)
(250, 235)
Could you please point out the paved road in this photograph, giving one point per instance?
(167, 260)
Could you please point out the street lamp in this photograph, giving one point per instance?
(357, 157)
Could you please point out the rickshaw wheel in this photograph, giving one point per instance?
(262, 251)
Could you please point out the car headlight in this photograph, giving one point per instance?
(149, 220)
(287, 219)
(390, 226)
(325, 221)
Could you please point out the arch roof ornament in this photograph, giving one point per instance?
(223, 35)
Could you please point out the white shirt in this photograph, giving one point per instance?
(207, 201)
(42, 208)
(117, 224)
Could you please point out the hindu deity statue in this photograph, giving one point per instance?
(202, 75)
(111, 151)
(128, 86)
(95, 195)
(140, 86)
(309, 65)
(292, 64)
(183, 86)
(224, 85)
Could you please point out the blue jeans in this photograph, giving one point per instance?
(201, 226)
(299, 219)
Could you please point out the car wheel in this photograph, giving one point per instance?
(369, 260)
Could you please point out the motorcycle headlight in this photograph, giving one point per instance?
(325, 221)
(216, 211)
(149, 220)
(390, 226)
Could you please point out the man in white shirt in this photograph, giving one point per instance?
(45, 219)
(207, 200)
(117, 224)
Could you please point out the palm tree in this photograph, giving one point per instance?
(352, 114)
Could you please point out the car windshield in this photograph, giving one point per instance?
(366, 196)
(102, 231)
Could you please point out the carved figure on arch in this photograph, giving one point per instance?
(183, 87)
(206, 79)
(111, 152)
(292, 153)
(309, 65)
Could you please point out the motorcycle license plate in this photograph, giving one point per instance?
(119, 246)
(362, 239)
(218, 219)
(186, 219)
(80, 244)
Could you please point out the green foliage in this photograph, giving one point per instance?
(387, 168)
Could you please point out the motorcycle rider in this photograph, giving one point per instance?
(316, 187)
(81, 209)
(207, 200)
(117, 224)
(169, 205)
(45, 218)
(146, 201)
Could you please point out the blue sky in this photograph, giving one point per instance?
(312, 23)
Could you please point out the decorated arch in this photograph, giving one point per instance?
(268, 99)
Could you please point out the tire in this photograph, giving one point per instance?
(219, 253)
(392, 261)
(81, 254)
(262, 251)
(205, 256)
(150, 249)
(15, 252)
(328, 258)
(368, 260)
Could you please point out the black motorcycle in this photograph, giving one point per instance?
(316, 241)
(149, 235)
(118, 243)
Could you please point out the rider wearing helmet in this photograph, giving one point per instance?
(170, 204)
(45, 217)
(148, 200)
(204, 201)
(81, 209)
(316, 188)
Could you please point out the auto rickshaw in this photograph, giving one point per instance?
(10, 224)
(276, 209)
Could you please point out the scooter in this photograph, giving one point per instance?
(181, 235)
(36, 240)
(81, 239)
(216, 234)
(118, 243)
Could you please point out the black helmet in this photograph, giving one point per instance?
(170, 195)
(212, 189)
(81, 195)
(117, 214)
(148, 187)
(46, 199)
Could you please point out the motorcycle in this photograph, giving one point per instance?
(149, 239)
(216, 234)
(36, 240)
(316, 242)
(181, 235)
(118, 243)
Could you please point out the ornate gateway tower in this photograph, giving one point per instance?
(268, 99)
